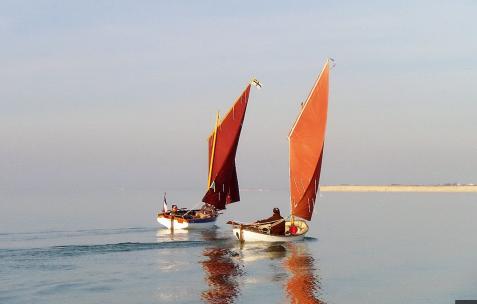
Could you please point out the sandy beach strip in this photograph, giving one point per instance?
(399, 188)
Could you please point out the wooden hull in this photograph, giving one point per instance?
(180, 223)
(247, 235)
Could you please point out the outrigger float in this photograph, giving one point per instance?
(306, 143)
(222, 182)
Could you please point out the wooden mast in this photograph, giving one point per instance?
(213, 149)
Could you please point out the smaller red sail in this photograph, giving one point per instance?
(224, 187)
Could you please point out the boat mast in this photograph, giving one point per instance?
(213, 149)
(292, 218)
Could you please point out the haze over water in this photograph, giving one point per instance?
(107, 105)
(362, 248)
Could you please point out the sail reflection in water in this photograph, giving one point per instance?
(222, 275)
(303, 285)
(236, 272)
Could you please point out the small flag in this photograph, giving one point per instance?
(256, 83)
(164, 207)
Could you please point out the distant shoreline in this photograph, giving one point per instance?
(399, 188)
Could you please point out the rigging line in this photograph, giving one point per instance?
(296, 186)
(195, 206)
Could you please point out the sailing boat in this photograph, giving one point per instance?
(306, 142)
(222, 182)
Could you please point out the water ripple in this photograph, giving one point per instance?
(77, 250)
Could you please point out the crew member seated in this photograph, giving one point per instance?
(174, 210)
(206, 211)
(277, 223)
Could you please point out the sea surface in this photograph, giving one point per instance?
(361, 248)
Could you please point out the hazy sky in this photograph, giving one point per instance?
(100, 95)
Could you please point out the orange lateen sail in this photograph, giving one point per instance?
(306, 142)
(223, 185)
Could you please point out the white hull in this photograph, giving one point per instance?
(252, 236)
(181, 224)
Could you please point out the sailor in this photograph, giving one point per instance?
(277, 223)
(174, 209)
(207, 211)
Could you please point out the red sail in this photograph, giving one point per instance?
(306, 148)
(224, 188)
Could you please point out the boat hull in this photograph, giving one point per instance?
(180, 223)
(246, 235)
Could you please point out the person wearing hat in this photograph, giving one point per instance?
(277, 222)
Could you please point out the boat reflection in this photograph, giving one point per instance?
(222, 270)
(254, 252)
(303, 285)
(230, 266)
(293, 267)
(164, 235)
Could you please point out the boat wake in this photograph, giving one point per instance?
(79, 250)
(71, 250)
(56, 234)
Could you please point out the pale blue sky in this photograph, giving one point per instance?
(102, 95)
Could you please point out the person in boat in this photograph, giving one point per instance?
(277, 223)
(174, 210)
(206, 211)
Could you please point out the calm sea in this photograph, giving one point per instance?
(362, 248)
